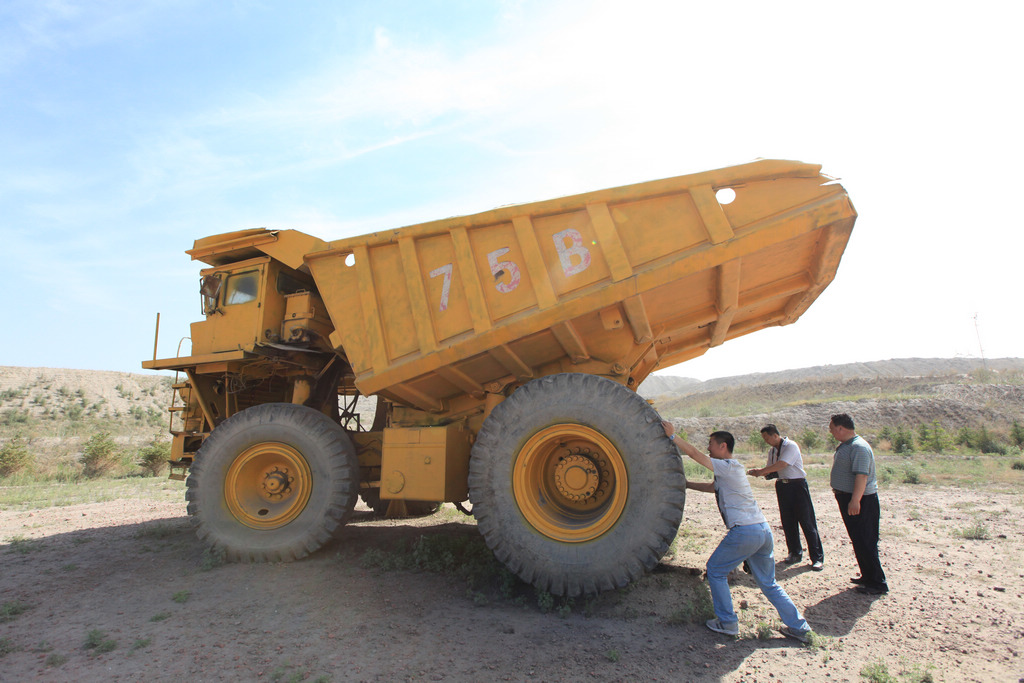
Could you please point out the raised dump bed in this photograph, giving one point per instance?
(503, 348)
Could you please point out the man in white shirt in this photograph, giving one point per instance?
(749, 537)
(795, 507)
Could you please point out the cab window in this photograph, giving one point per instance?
(242, 288)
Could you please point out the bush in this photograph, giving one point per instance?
(933, 438)
(809, 439)
(902, 440)
(14, 456)
(100, 455)
(988, 443)
(755, 443)
(980, 439)
(1017, 434)
(12, 416)
(153, 458)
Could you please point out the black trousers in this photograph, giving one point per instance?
(863, 530)
(797, 512)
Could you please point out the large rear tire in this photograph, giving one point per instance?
(574, 485)
(274, 482)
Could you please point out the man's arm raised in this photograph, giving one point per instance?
(686, 447)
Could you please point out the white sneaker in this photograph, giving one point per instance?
(717, 626)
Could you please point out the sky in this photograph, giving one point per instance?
(128, 129)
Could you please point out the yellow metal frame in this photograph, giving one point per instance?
(447, 317)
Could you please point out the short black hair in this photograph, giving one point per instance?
(726, 438)
(770, 429)
(842, 420)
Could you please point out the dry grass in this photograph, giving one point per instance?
(38, 495)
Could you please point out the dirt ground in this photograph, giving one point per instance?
(132, 573)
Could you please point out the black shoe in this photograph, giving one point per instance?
(793, 559)
(860, 581)
(746, 567)
(873, 590)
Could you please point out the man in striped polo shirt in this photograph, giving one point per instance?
(856, 488)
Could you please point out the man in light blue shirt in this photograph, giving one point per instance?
(749, 537)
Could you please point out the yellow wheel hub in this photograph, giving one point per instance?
(570, 483)
(268, 485)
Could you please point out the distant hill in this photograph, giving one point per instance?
(955, 393)
(40, 392)
(661, 385)
(66, 406)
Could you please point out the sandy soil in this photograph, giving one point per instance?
(956, 610)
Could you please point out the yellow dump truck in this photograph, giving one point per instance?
(503, 350)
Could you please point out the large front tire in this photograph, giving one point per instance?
(574, 485)
(274, 482)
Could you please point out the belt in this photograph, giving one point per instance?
(788, 481)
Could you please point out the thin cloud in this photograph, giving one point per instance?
(31, 27)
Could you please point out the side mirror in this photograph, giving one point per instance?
(209, 288)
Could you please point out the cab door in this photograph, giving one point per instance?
(233, 304)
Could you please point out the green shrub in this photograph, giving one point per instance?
(13, 416)
(1017, 434)
(7, 647)
(10, 610)
(981, 440)
(752, 444)
(14, 456)
(153, 458)
(902, 440)
(56, 660)
(12, 394)
(976, 532)
(100, 455)
(97, 641)
(933, 437)
(545, 600)
(809, 439)
(877, 672)
(988, 443)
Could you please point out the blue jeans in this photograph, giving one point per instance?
(753, 543)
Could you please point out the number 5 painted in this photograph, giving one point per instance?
(499, 269)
